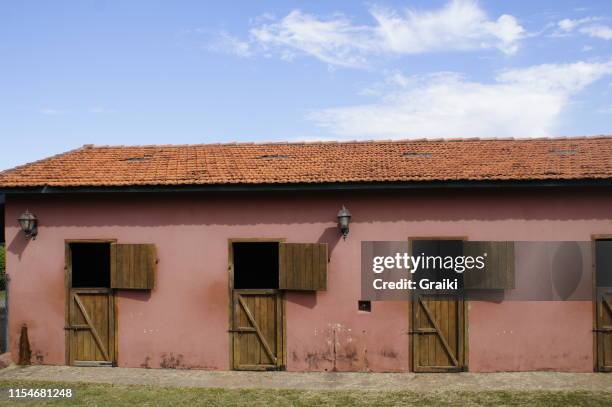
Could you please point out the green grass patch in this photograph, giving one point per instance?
(135, 395)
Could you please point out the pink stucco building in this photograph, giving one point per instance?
(188, 256)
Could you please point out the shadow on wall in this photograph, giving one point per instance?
(331, 236)
(567, 269)
(142, 296)
(18, 245)
(294, 207)
(306, 299)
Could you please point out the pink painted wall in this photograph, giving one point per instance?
(186, 314)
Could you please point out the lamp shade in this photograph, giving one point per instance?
(344, 218)
(28, 223)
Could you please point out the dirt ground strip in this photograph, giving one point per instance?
(316, 381)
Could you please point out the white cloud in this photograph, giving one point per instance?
(519, 103)
(53, 112)
(586, 26)
(227, 43)
(568, 24)
(566, 78)
(335, 41)
(598, 31)
(605, 110)
(460, 25)
(49, 111)
(102, 110)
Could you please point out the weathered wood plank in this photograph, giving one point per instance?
(91, 327)
(93, 331)
(499, 271)
(256, 330)
(133, 266)
(301, 266)
(437, 332)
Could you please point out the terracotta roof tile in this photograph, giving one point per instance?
(321, 162)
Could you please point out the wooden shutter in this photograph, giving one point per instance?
(133, 266)
(498, 273)
(303, 266)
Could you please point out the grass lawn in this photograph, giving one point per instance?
(120, 395)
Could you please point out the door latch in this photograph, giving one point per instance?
(603, 330)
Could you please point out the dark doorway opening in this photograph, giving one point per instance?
(90, 265)
(603, 263)
(431, 250)
(255, 265)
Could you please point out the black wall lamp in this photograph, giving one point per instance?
(344, 218)
(29, 224)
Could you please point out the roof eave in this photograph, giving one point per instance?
(310, 186)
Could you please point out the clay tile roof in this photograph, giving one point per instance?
(321, 162)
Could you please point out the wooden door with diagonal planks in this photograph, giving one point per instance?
(92, 327)
(603, 303)
(437, 333)
(604, 332)
(257, 329)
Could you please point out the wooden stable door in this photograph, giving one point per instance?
(257, 329)
(437, 333)
(92, 327)
(604, 332)
(603, 304)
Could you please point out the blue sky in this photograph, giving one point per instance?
(161, 72)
